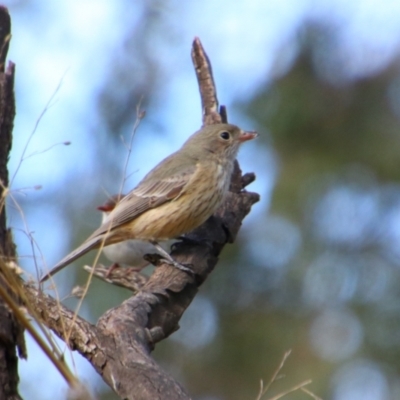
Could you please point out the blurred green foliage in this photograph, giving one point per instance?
(343, 285)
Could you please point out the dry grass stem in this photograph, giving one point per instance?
(301, 386)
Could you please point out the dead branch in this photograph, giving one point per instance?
(11, 332)
(119, 346)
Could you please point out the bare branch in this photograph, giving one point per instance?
(120, 345)
(84, 336)
(128, 279)
(208, 91)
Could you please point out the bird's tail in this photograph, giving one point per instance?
(86, 246)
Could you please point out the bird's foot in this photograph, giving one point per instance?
(111, 269)
(158, 259)
(154, 259)
(133, 269)
(166, 257)
(182, 267)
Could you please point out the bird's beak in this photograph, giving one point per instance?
(247, 135)
(105, 208)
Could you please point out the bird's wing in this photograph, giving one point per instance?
(150, 193)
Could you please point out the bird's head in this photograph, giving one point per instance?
(219, 140)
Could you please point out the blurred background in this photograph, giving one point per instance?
(316, 267)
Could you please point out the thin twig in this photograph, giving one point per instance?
(61, 366)
(293, 389)
(48, 105)
(140, 114)
(274, 376)
(15, 284)
(7, 193)
(263, 390)
(37, 152)
(310, 393)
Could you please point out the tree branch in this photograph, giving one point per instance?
(119, 346)
(205, 79)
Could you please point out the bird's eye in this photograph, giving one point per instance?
(225, 135)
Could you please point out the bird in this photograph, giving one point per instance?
(175, 197)
(128, 253)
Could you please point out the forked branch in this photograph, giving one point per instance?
(119, 346)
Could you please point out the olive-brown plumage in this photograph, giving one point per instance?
(178, 195)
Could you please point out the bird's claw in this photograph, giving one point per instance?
(182, 267)
(158, 259)
(154, 259)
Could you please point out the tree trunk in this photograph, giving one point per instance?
(11, 333)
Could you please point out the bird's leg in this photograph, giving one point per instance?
(111, 269)
(169, 260)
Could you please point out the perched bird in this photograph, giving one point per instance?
(128, 253)
(175, 197)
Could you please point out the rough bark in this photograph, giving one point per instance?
(11, 337)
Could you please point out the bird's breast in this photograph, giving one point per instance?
(197, 202)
